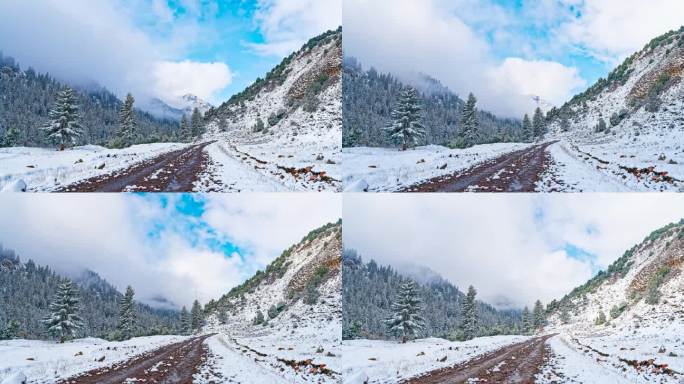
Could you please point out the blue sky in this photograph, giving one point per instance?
(523, 247)
(506, 52)
(177, 246)
(162, 48)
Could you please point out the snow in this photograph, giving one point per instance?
(301, 332)
(379, 361)
(46, 169)
(17, 185)
(388, 169)
(47, 361)
(17, 378)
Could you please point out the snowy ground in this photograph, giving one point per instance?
(604, 358)
(376, 361)
(387, 169)
(44, 169)
(600, 166)
(47, 362)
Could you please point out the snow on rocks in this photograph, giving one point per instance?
(17, 185)
(17, 378)
(45, 169)
(388, 169)
(48, 362)
(389, 361)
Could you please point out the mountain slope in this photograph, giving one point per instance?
(369, 289)
(298, 297)
(26, 97)
(27, 290)
(286, 126)
(369, 98)
(628, 126)
(627, 321)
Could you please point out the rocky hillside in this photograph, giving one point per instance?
(644, 93)
(298, 100)
(301, 286)
(643, 288)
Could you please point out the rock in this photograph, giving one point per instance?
(443, 166)
(16, 186)
(100, 165)
(357, 186)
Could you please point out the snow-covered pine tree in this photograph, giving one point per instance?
(11, 137)
(469, 311)
(222, 124)
(527, 132)
(406, 320)
(469, 125)
(538, 124)
(526, 321)
(564, 315)
(185, 131)
(564, 124)
(221, 316)
(127, 124)
(197, 316)
(127, 316)
(538, 313)
(406, 128)
(63, 127)
(196, 122)
(63, 321)
(186, 321)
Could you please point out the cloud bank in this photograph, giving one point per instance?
(156, 247)
(512, 248)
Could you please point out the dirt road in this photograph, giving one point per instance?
(174, 171)
(516, 171)
(174, 363)
(516, 363)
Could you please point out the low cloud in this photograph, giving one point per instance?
(510, 247)
(110, 234)
(175, 79)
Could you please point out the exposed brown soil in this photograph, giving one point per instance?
(175, 363)
(517, 171)
(516, 363)
(175, 171)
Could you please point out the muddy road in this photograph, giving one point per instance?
(514, 364)
(174, 363)
(517, 171)
(175, 171)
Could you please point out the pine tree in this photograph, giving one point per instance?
(221, 316)
(526, 321)
(601, 319)
(11, 137)
(196, 122)
(222, 124)
(185, 131)
(527, 131)
(538, 124)
(538, 312)
(63, 126)
(127, 125)
(186, 321)
(564, 124)
(259, 319)
(197, 316)
(127, 316)
(469, 311)
(63, 322)
(406, 128)
(601, 126)
(564, 315)
(469, 125)
(406, 321)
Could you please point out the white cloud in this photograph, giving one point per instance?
(108, 233)
(175, 79)
(430, 37)
(287, 24)
(549, 79)
(508, 246)
(612, 30)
